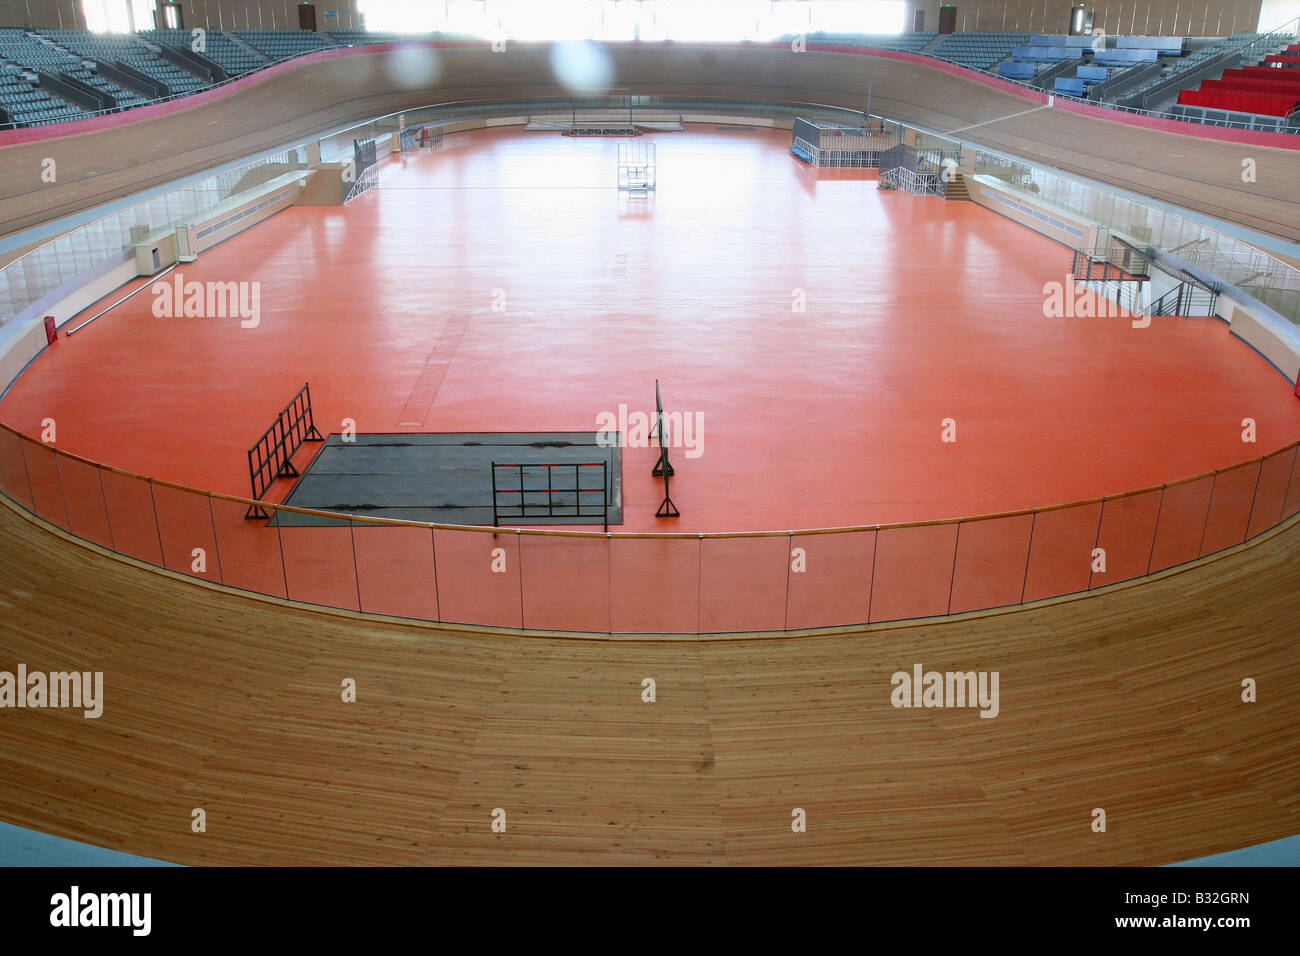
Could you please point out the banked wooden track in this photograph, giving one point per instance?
(295, 100)
(1126, 699)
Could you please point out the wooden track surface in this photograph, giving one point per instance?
(1197, 173)
(1126, 700)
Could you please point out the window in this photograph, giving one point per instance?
(622, 20)
(118, 16)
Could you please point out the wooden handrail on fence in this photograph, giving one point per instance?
(403, 523)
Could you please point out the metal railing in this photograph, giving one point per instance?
(1266, 278)
(651, 583)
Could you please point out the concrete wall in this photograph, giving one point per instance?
(22, 341)
(60, 14)
(1279, 342)
(1072, 231)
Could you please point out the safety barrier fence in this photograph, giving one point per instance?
(52, 265)
(651, 583)
(1268, 279)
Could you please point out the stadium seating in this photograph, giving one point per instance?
(123, 97)
(27, 105)
(1189, 64)
(234, 58)
(904, 42)
(1164, 46)
(1133, 71)
(32, 53)
(980, 51)
(283, 44)
(1044, 54)
(21, 98)
(1242, 101)
(1265, 90)
(1016, 70)
(1289, 57)
(369, 38)
(130, 50)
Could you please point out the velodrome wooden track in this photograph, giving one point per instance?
(1126, 699)
(319, 93)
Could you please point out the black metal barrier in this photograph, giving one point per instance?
(663, 467)
(364, 155)
(421, 137)
(556, 503)
(270, 458)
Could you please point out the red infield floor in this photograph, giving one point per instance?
(502, 283)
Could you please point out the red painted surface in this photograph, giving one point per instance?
(916, 311)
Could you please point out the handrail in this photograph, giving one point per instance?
(205, 177)
(265, 160)
(543, 532)
(1269, 264)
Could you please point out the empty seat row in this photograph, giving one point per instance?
(904, 42)
(981, 51)
(1126, 57)
(216, 46)
(1165, 46)
(1267, 104)
(282, 44)
(1018, 70)
(1045, 54)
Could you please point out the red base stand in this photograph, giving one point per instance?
(1297, 386)
(51, 333)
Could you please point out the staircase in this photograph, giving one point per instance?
(265, 60)
(957, 190)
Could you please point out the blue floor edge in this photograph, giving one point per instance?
(22, 847)
(1284, 852)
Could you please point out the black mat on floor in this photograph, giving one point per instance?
(447, 478)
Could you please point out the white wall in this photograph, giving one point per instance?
(1274, 13)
